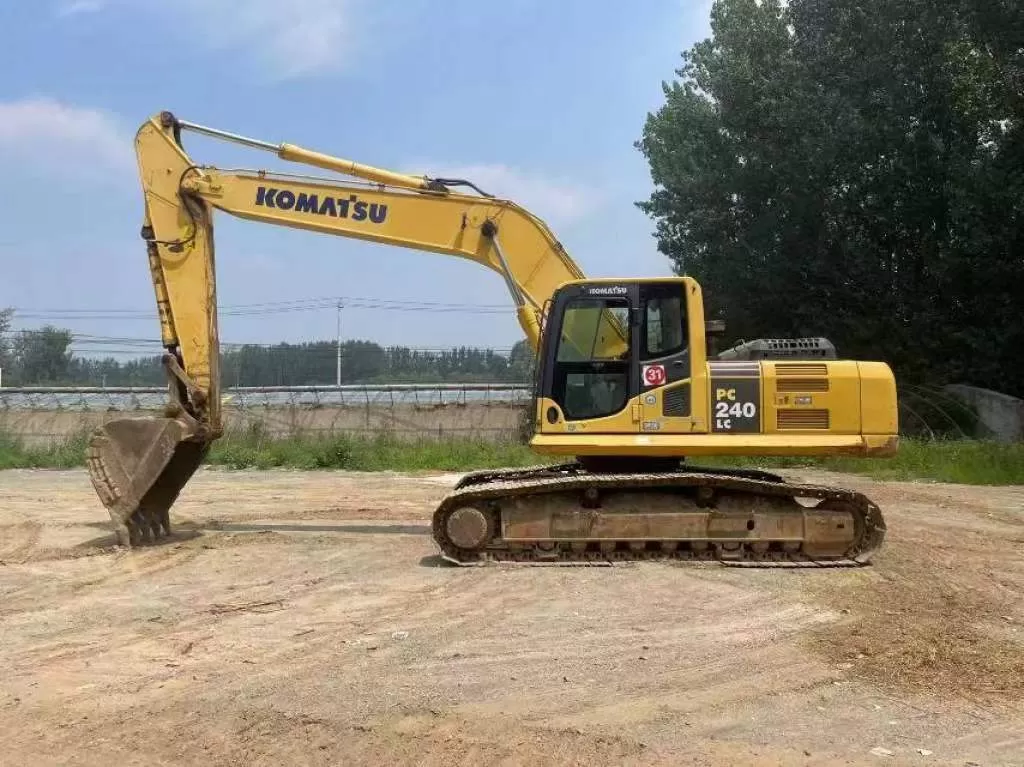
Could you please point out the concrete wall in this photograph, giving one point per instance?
(1001, 416)
(497, 421)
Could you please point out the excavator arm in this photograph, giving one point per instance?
(139, 465)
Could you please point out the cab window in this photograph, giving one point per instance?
(592, 360)
(594, 330)
(664, 326)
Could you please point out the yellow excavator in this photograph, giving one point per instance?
(624, 391)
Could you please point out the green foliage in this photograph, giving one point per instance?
(252, 449)
(969, 462)
(853, 169)
(66, 454)
(5, 326)
(526, 424)
(930, 413)
(362, 362)
(521, 363)
(961, 461)
(43, 358)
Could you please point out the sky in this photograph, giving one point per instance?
(535, 101)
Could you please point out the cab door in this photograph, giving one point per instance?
(666, 380)
(587, 381)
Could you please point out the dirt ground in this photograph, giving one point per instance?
(304, 618)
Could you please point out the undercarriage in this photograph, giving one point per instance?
(566, 514)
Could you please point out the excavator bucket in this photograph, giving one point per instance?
(138, 466)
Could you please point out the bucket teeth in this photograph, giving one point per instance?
(138, 466)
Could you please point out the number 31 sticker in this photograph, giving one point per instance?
(654, 375)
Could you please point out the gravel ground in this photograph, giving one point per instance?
(304, 618)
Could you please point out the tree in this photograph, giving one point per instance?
(521, 361)
(5, 318)
(5, 326)
(853, 169)
(43, 356)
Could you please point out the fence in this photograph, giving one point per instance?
(45, 415)
(40, 416)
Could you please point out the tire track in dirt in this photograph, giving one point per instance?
(17, 542)
(921, 620)
(164, 621)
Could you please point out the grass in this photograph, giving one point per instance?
(64, 455)
(968, 462)
(959, 461)
(380, 453)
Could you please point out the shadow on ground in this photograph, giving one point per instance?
(242, 527)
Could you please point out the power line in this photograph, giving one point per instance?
(326, 301)
(327, 353)
(130, 340)
(269, 308)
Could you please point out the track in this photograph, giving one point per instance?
(564, 515)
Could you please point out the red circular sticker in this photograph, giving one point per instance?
(654, 375)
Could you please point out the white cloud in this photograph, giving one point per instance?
(305, 38)
(549, 198)
(46, 134)
(287, 41)
(76, 7)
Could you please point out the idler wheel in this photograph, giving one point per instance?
(468, 528)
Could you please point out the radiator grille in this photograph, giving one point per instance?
(789, 385)
(676, 401)
(798, 369)
(802, 419)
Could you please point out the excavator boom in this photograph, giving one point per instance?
(138, 466)
(624, 383)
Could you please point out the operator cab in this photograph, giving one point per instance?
(610, 341)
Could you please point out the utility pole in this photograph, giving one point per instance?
(337, 374)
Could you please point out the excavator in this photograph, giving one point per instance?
(626, 391)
